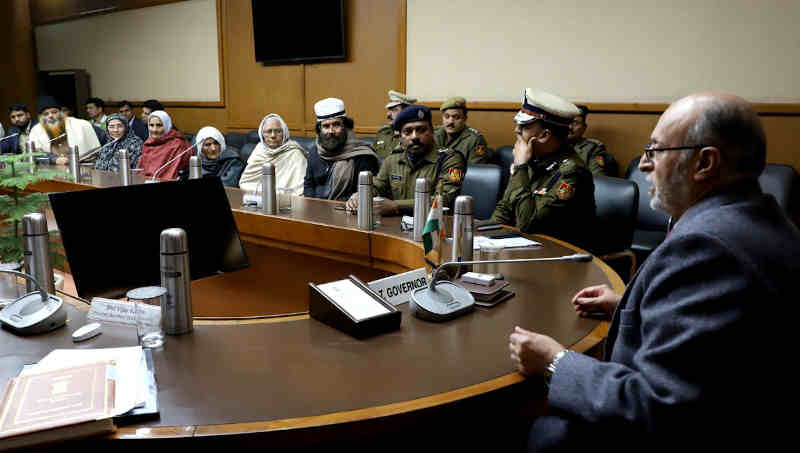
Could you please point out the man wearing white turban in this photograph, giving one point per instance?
(275, 147)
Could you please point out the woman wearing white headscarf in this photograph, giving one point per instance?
(164, 144)
(275, 147)
(215, 157)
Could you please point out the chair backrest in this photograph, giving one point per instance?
(252, 137)
(504, 157)
(246, 150)
(781, 181)
(648, 218)
(235, 139)
(482, 182)
(617, 205)
(306, 142)
(368, 138)
(189, 137)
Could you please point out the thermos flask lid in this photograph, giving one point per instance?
(173, 240)
(34, 224)
(464, 205)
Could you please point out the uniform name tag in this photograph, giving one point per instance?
(396, 177)
(397, 289)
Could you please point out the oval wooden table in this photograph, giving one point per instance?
(257, 371)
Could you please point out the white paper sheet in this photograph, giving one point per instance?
(504, 243)
(353, 299)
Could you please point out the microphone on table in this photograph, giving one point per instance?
(153, 179)
(97, 150)
(8, 136)
(444, 300)
(56, 138)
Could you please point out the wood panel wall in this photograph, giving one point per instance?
(375, 64)
(626, 132)
(18, 65)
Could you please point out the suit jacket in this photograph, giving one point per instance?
(139, 128)
(694, 343)
(11, 145)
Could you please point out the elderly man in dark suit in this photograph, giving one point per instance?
(693, 356)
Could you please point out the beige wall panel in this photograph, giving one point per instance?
(254, 90)
(616, 51)
(371, 69)
(167, 52)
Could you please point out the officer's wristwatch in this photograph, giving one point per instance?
(551, 368)
(517, 167)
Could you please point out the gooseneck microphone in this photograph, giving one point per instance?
(8, 136)
(97, 150)
(153, 179)
(56, 138)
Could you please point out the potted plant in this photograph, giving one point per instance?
(17, 172)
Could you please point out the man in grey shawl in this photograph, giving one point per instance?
(122, 137)
(337, 156)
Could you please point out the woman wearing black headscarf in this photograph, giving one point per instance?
(122, 138)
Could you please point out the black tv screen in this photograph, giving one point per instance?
(299, 32)
(111, 236)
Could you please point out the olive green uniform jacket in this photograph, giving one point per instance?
(469, 142)
(553, 196)
(397, 178)
(597, 159)
(386, 142)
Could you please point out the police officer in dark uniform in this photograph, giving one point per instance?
(550, 191)
(420, 158)
(592, 151)
(387, 140)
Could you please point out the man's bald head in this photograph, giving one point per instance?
(730, 124)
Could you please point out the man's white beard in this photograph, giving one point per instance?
(672, 194)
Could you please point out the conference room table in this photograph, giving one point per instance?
(257, 371)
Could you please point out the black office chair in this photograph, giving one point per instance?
(651, 224)
(252, 137)
(482, 182)
(369, 139)
(246, 150)
(617, 202)
(782, 182)
(236, 139)
(504, 157)
(189, 137)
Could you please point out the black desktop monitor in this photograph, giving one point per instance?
(111, 236)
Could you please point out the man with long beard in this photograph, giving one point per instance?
(338, 156)
(56, 133)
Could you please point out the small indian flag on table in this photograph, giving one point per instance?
(433, 234)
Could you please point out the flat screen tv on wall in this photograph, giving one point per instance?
(299, 31)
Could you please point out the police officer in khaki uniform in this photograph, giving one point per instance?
(593, 152)
(455, 134)
(387, 140)
(420, 158)
(550, 191)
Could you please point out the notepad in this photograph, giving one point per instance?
(359, 304)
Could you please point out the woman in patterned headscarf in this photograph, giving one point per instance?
(275, 147)
(121, 138)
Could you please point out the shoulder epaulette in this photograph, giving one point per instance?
(475, 131)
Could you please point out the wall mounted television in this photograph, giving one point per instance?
(299, 32)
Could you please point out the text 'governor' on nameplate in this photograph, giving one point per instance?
(397, 289)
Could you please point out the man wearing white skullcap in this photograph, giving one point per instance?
(337, 156)
(550, 191)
